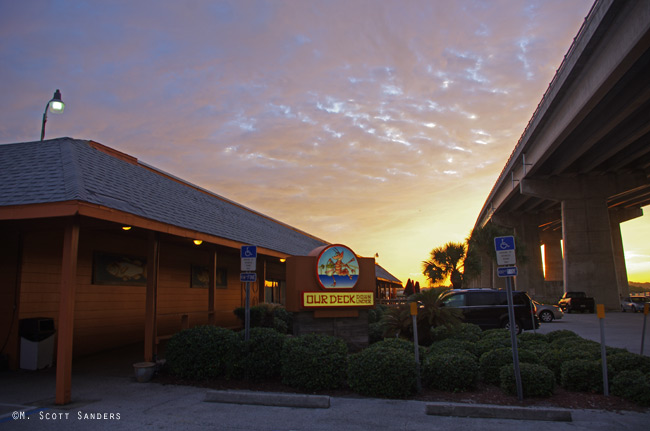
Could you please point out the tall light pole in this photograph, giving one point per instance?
(55, 105)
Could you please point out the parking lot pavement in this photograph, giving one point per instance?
(115, 403)
(622, 330)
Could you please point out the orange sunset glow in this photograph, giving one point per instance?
(381, 125)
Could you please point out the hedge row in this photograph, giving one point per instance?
(456, 362)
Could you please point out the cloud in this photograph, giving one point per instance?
(403, 111)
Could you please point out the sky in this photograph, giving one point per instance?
(380, 125)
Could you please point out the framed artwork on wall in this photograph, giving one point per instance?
(119, 269)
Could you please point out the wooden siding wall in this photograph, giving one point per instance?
(109, 316)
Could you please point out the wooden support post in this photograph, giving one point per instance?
(212, 287)
(150, 329)
(66, 312)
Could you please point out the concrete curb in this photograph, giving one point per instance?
(273, 399)
(498, 412)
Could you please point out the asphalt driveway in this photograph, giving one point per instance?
(622, 330)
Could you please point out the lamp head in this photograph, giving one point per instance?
(56, 104)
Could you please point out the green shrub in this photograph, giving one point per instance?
(491, 362)
(582, 375)
(626, 361)
(554, 358)
(268, 315)
(201, 352)
(395, 343)
(314, 362)
(491, 343)
(257, 315)
(536, 343)
(454, 371)
(592, 348)
(382, 372)
(536, 380)
(561, 333)
(463, 331)
(565, 342)
(532, 337)
(496, 333)
(375, 332)
(261, 356)
(282, 319)
(536, 347)
(439, 333)
(468, 331)
(400, 344)
(375, 314)
(280, 326)
(632, 385)
(450, 345)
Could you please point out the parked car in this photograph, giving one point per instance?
(577, 301)
(633, 304)
(488, 308)
(547, 312)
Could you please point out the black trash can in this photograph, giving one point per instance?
(36, 343)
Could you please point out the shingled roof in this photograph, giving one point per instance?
(382, 274)
(66, 169)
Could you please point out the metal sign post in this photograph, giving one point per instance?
(247, 313)
(600, 310)
(513, 339)
(505, 251)
(414, 313)
(248, 263)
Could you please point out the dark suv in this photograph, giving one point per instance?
(488, 308)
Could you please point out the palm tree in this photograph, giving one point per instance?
(431, 314)
(446, 261)
(397, 321)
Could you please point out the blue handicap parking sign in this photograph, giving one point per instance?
(248, 251)
(502, 243)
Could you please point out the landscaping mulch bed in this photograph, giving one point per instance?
(483, 394)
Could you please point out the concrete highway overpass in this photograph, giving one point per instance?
(582, 165)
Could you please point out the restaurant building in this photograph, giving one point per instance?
(117, 252)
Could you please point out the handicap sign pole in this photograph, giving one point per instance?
(247, 313)
(248, 278)
(513, 339)
(505, 251)
(248, 263)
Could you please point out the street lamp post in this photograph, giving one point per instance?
(55, 105)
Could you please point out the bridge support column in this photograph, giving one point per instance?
(616, 217)
(588, 250)
(530, 276)
(553, 261)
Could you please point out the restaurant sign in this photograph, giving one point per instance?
(338, 299)
(337, 267)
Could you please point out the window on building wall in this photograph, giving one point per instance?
(275, 291)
